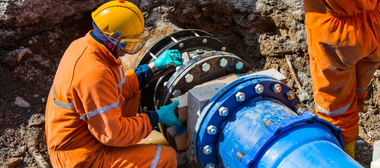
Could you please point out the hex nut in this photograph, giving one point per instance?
(276, 88)
(259, 88)
(240, 96)
(209, 165)
(223, 62)
(207, 149)
(291, 95)
(223, 111)
(176, 93)
(205, 67)
(239, 65)
(189, 78)
(211, 130)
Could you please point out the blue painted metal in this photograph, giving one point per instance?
(290, 141)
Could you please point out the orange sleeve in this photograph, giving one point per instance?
(102, 104)
(131, 86)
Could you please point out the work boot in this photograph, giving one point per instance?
(350, 149)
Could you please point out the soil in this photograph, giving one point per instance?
(263, 42)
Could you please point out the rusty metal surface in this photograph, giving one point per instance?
(132, 61)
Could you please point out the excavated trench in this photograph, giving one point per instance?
(260, 32)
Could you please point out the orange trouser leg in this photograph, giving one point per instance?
(344, 54)
(336, 100)
(141, 155)
(365, 70)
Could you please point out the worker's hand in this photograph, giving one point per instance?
(168, 58)
(166, 115)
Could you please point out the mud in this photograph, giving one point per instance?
(33, 40)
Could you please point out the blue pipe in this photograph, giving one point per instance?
(287, 139)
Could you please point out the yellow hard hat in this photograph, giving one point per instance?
(123, 21)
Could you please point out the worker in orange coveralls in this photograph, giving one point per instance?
(343, 39)
(91, 110)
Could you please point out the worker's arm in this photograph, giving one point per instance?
(102, 104)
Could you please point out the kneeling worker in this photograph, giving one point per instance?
(91, 110)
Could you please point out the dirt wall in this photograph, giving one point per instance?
(34, 34)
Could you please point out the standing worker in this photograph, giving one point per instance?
(91, 110)
(343, 39)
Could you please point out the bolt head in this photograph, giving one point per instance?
(291, 95)
(145, 108)
(239, 65)
(204, 41)
(223, 48)
(223, 62)
(240, 96)
(207, 149)
(181, 45)
(259, 88)
(199, 51)
(209, 165)
(223, 111)
(176, 93)
(189, 78)
(277, 88)
(205, 67)
(211, 130)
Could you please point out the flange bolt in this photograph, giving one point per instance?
(209, 165)
(239, 65)
(240, 154)
(145, 108)
(204, 41)
(199, 51)
(181, 45)
(291, 95)
(267, 123)
(223, 111)
(223, 62)
(207, 149)
(211, 130)
(176, 93)
(300, 109)
(223, 48)
(277, 88)
(189, 78)
(240, 96)
(205, 67)
(259, 88)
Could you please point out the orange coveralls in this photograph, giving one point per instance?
(91, 113)
(343, 39)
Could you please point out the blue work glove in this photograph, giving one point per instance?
(169, 56)
(166, 115)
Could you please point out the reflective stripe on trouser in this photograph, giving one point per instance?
(344, 55)
(156, 157)
(140, 155)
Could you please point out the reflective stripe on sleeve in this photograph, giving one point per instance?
(100, 110)
(156, 157)
(61, 104)
(121, 77)
(361, 89)
(336, 112)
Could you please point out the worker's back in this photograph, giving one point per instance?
(65, 131)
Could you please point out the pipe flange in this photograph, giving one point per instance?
(178, 80)
(183, 40)
(226, 99)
